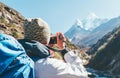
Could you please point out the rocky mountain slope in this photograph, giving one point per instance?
(106, 53)
(11, 22)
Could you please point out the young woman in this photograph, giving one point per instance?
(37, 36)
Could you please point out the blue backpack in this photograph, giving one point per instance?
(14, 63)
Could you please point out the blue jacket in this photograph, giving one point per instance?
(14, 63)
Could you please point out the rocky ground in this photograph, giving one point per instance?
(11, 22)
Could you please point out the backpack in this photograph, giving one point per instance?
(14, 63)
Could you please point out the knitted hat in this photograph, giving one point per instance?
(37, 29)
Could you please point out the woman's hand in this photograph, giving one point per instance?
(60, 40)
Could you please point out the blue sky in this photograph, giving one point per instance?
(61, 14)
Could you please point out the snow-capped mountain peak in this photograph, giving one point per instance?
(92, 21)
(92, 16)
(81, 29)
(78, 23)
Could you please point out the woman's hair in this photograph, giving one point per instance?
(37, 29)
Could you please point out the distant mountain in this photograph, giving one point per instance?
(100, 31)
(76, 31)
(92, 21)
(106, 53)
(82, 29)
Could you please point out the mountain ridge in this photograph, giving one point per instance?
(87, 38)
(82, 29)
(100, 31)
(106, 52)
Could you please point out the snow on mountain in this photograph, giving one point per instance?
(92, 21)
(100, 31)
(76, 31)
(78, 23)
(81, 29)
